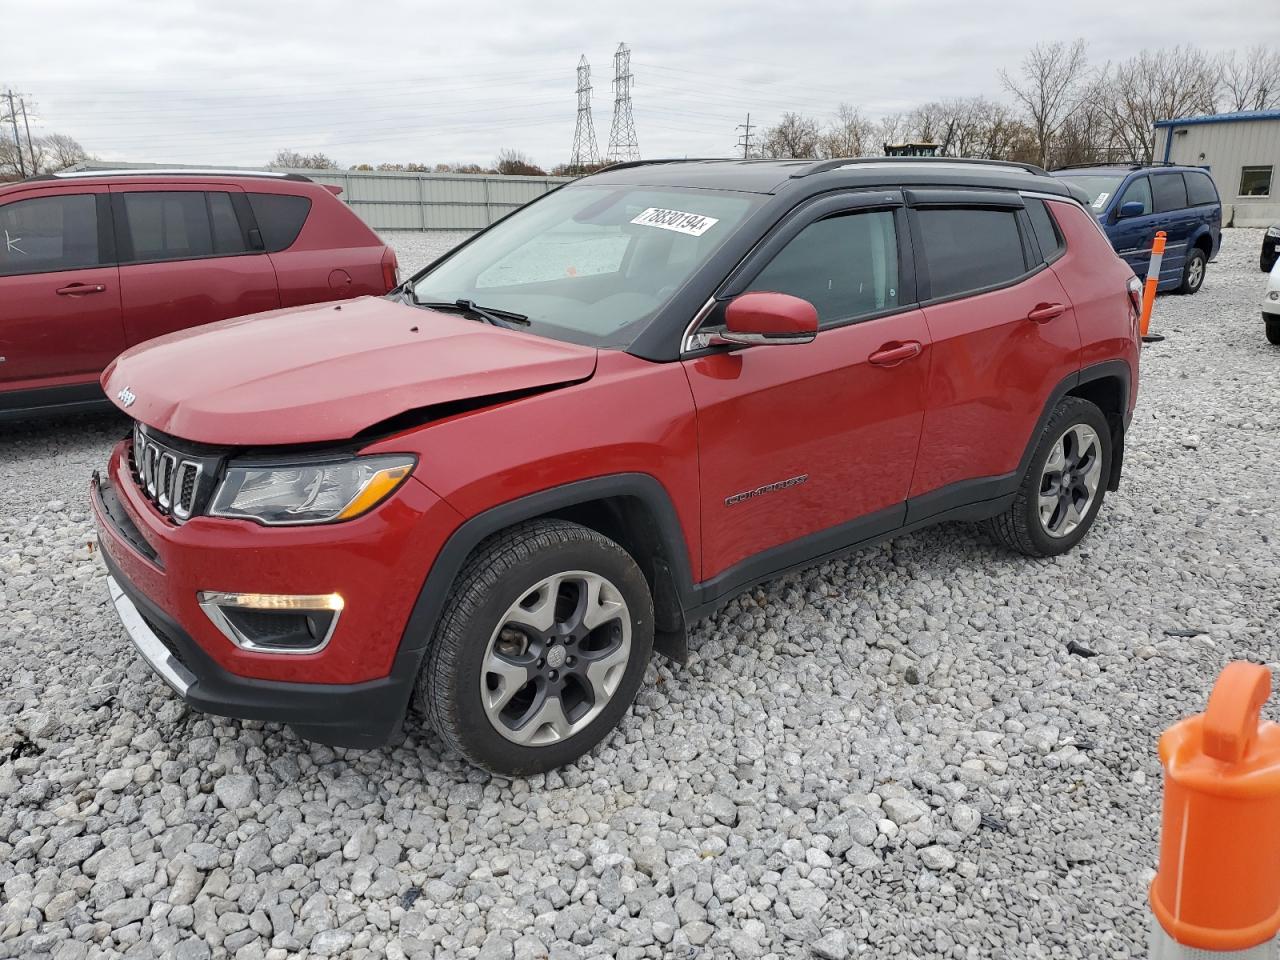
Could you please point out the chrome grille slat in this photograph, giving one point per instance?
(169, 479)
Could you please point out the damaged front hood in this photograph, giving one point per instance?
(327, 372)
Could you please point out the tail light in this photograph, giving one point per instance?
(1135, 294)
(390, 270)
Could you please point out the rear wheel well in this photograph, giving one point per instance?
(1205, 244)
(1110, 395)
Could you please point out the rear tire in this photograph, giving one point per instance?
(1193, 271)
(1273, 330)
(540, 649)
(1064, 485)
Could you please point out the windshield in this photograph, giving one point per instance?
(589, 264)
(1099, 187)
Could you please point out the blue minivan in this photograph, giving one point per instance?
(1132, 202)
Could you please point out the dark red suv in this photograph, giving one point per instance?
(495, 491)
(94, 262)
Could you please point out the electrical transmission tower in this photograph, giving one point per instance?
(744, 141)
(622, 135)
(585, 152)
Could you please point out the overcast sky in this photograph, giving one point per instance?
(232, 81)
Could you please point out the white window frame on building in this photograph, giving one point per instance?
(1256, 168)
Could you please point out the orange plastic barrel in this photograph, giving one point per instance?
(1218, 885)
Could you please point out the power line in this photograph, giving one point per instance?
(585, 152)
(623, 144)
(744, 141)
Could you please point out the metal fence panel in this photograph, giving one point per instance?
(399, 200)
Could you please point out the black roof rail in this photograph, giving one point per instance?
(627, 164)
(822, 166)
(1125, 164)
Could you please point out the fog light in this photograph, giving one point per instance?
(272, 622)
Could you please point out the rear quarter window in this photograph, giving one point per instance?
(1048, 236)
(1200, 189)
(968, 250)
(280, 218)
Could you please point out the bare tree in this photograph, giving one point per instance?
(61, 151)
(1250, 81)
(47, 154)
(892, 129)
(793, 137)
(1158, 85)
(850, 134)
(1048, 89)
(513, 163)
(306, 161)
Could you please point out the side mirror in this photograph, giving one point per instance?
(769, 318)
(1134, 208)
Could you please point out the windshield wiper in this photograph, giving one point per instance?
(499, 318)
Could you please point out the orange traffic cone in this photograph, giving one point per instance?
(1149, 291)
(1217, 892)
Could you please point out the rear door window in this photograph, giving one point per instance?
(970, 249)
(280, 218)
(1170, 192)
(167, 225)
(1138, 191)
(227, 236)
(45, 234)
(1200, 189)
(1045, 229)
(846, 266)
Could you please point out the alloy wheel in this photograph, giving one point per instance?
(556, 658)
(1195, 273)
(1069, 483)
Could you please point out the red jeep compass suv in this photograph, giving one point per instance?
(493, 492)
(93, 262)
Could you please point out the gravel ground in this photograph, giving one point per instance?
(889, 755)
(415, 249)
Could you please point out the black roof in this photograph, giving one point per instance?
(778, 176)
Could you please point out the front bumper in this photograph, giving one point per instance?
(354, 691)
(341, 715)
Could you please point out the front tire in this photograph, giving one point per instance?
(1273, 330)
(1193, 271)
(540, 649)
(1064, 485)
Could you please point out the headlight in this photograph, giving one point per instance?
(1274, 231)
(300, 493)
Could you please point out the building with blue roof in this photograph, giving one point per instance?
(1241, 151)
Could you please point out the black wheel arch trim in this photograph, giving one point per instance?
(642, 486)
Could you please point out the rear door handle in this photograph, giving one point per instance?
(81, 289)
(889, 354)
(1044, 312)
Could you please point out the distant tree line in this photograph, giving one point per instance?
(47, 154)
(1063, 109)
(509, 163)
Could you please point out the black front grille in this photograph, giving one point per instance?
(177, 478)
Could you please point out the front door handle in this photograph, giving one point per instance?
(1044, 312)
(891, 354)
(81, 289)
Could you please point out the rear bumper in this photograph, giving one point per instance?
(341, 715)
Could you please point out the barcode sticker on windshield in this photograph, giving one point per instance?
(692, 224)
(1101, 201)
